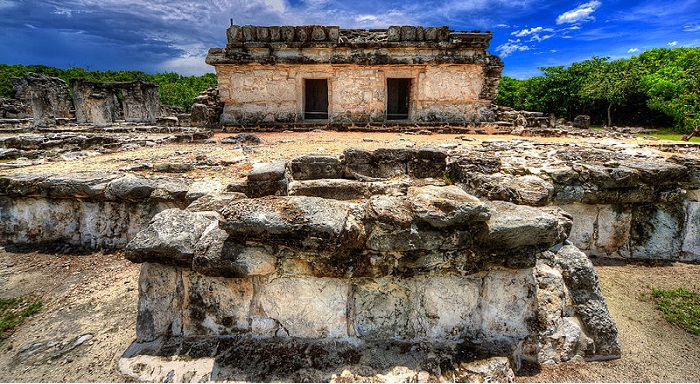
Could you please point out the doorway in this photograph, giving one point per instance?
(315, 99)
(398, 98)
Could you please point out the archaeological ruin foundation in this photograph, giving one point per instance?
(460, 261)
(271, 75)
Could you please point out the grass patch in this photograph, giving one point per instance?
(680, 306)
(669, 134)
(14, 310)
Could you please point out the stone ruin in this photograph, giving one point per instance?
(444, 263)
(404, 74)
(48, 101)
(98, 103)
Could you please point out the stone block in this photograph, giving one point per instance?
(318, 33)
(316, 167)
(338, 189)
(505, 305)
(234, 34)
(275, 34)
(170, 237)
(381, 309)
(333, 33)
(430, 34)
(307, 307)
(262, 34)
(448, 309)
(267, 179)
(393, 34)
(513, 226)
(215, 306)
(448, 206)
(216, 255)
(613, 230)
(428, 162)
(656, 231)
(691, 239)
(308, 222)
(408, 33)
(590, 307)
(582, 122)
(584, 223)
(161, 297)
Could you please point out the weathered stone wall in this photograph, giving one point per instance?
(141, 101)
(50, 99)
(102, 210)
(631, 203)
(357, 94)
(435, 264)
(97, 103)
(262, 70)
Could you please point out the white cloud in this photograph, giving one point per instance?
(580, 14)
(531, 31)
(691, 28)
(534, 33)
(672, 44)
(512, 46)
(633, 50)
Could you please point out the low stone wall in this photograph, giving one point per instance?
(434, 267)
(101, 210)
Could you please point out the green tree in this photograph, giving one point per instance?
(671, 80)
(609, 82)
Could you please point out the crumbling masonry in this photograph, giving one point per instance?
(273, 75)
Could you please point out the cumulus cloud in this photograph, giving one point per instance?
(580, 14)
(633, 50)
(672, 44)
(512, 46)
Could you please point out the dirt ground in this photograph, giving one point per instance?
(89, 314)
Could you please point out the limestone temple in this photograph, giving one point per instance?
(316, 73)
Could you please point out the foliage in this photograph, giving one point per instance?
(14, 310)
(680, 306)
(174, 89)
(657, 88)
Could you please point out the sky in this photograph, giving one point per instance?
(174, 36)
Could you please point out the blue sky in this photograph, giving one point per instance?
(159, 35)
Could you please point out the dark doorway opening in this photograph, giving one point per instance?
(315, 99)
(398, 96)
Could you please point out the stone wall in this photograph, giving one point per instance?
(98, 103)
(261, 94)
(49, 97)
(99, 210)
(261, 73)
(432, 267)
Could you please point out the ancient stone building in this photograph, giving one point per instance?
(288, 74)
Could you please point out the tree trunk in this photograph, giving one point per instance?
(609, 116)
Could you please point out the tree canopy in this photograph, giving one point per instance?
(659, 87)
(174, 89)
